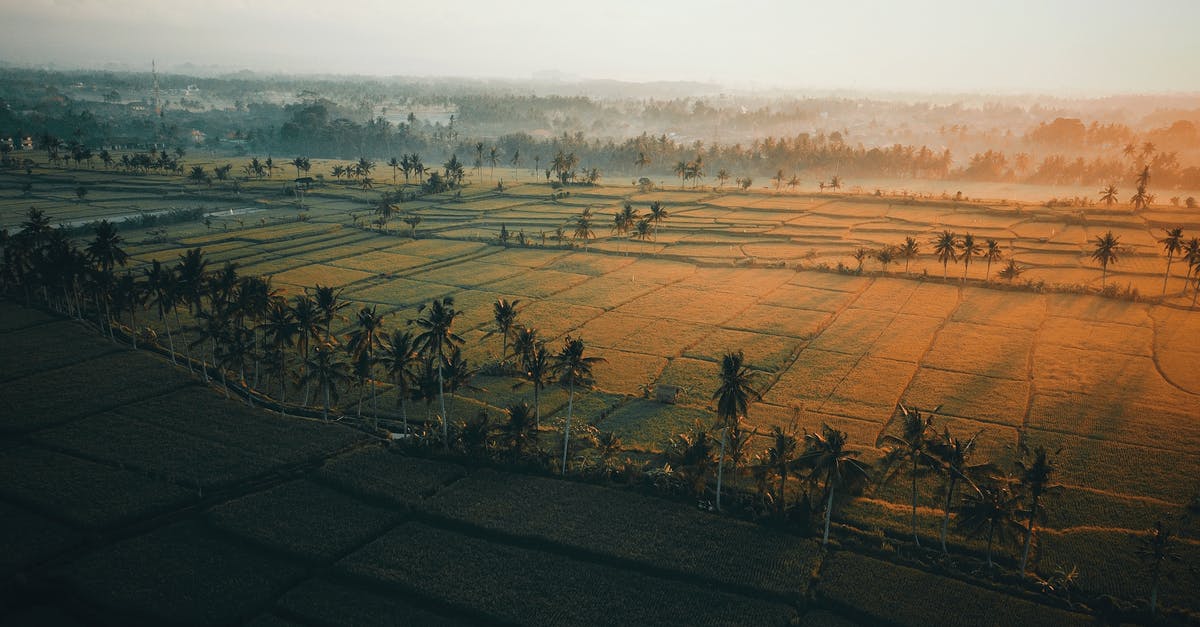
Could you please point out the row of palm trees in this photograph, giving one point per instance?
(241, 328)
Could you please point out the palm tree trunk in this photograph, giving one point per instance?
(325, 409)
(1167, 275)
(282, 382)
(1029, 535)
(945, 269)
(991, 529)
(946, 517)
(567, 432)
(362, 387)
(721, 465)
(828, 515)
(187, 350)
(1154, 593)
(170, 340)
(445, 419)
(916, 538)
(133, 328)
(537, 408)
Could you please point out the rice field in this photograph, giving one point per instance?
(1112, 382)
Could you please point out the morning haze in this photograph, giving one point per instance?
(629, 313)
(1077, 45)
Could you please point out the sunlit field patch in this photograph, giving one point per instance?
(623, 372)
(871, 390)
(853, 331)
(811, 379)
(983, 350)
(1006, 309)
(688, 305)
(781, 321)
(467, 274)
(399, 292)
(770, 353)
(650, 336)
(314, 274)
(906, 338)
(381, 262)
(983, 398)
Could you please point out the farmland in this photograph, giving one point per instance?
(358, 531)
(1045, 361)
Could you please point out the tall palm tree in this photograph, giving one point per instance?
(161, 288)
(1172, 244)
(991, 252)
(362, 344)
(914, 444)
(658, 214)
(780, 457)
(328, 371)
(105, 249)
(1156, 549)
(1108, 195)
(828, 458)
(400, 360)
(954, 455)
(537, 368)
(280, 331)
(733, 397)
(573, 370)
(946, 249)
(525, 341)
(329, 304)
(968, 249)
(190, 272)
(308, 328)
(1034, 469)
(990, 509)
(519, 433)
(1191, 255)
(909, 250)
(437, 340)
(395, 165)
(504, 313)
(583, 228)
(1107, 246)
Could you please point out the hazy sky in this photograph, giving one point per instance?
(1043, 45)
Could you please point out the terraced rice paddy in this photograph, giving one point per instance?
(1113, 383)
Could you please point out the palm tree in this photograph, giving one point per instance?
(504, 313)
(1108, 195)
(722, 176)
(915, 444)
(572, 369)
(493, 158)
(954, 455)
(400, 360)
(190, 272)
(990, 508)
(327, 371)
(945, 246)
(1011, 271)
(436, 340)
(909, 250)
(161, 288)
(362, 343)
(519, 433)
(641, 161)
(827, 457)
(1033, 471)
(1156, 549)
(329, 303)
(1172, 243)
(860, 255)
(885, 256)
(733, 397)
(308, 325)
(1191, 255)
(537, 366)
(1140, 199)
(395, 165)
(280, 330)
(1143, 179)
(991, 252)
(583, 228)
(1107, 246)
(968, 248)
(658, 214)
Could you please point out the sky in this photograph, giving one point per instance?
(1065, 46)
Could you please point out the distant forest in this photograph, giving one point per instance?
(694, 131)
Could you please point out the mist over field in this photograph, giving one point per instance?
(754, 313)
